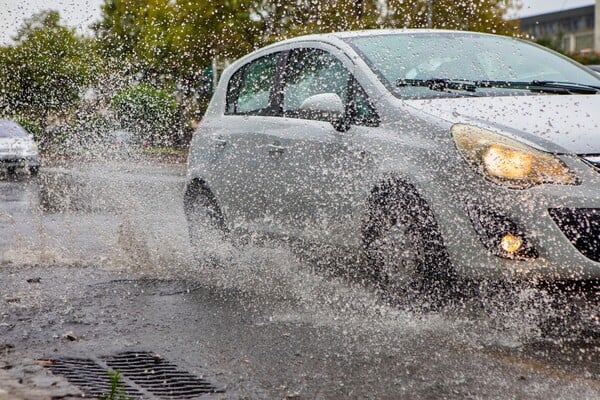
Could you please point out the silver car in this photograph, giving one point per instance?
(17, 148)
(431, 155)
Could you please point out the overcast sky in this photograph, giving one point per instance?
(81, 13)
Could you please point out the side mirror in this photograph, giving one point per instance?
(326, 103)
(327, 106)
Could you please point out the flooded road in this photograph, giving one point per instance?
(94, 260)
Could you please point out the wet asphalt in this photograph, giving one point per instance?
(94, 261)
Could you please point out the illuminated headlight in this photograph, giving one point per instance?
(508, 162)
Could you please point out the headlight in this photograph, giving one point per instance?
(508, 162)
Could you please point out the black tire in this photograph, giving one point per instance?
(202, 213)
(404, 250)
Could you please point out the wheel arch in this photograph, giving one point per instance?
(195, 187)
(196, 190)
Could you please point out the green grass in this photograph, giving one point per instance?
(117, 387)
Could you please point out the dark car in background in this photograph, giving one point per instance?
(18, 149)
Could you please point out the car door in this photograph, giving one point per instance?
(232, 141)
(316, 173)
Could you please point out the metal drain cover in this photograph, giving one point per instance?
(145, 375)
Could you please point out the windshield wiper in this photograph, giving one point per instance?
(441, 84)
(542, 86)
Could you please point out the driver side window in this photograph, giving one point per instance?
(310, 72)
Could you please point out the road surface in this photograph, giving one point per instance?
(94, 261)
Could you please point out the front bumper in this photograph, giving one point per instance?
(582, 227)
(19, 161)
(560, 222)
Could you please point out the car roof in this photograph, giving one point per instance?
(335, 36)
(338, 38)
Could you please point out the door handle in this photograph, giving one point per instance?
(220, 143)
(275, 149)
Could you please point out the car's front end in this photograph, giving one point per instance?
(19, 154)
(516, 197)
(501, 138)
(17, 148)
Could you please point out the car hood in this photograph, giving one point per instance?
(554, 123)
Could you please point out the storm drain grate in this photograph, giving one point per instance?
(160, 377)
(87, 375)
(145, 375)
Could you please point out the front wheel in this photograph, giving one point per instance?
(405, 252)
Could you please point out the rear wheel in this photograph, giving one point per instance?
(405, 252)
(206, 225)
(204, 217)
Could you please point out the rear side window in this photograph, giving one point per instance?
(249, 89)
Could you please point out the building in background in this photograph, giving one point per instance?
(572, 31)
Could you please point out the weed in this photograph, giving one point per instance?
(117, 387)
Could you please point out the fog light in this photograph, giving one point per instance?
(501, 235)
(511, 243)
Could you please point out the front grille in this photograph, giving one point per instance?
(582, 227)
(593, 160)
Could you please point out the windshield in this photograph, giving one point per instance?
(463, 56)
(9, 129)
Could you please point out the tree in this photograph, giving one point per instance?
(174, 41)
(167, 44)
(45, 70)
(473, 15)
(134, 34)
(287, 19)
(148, 112)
